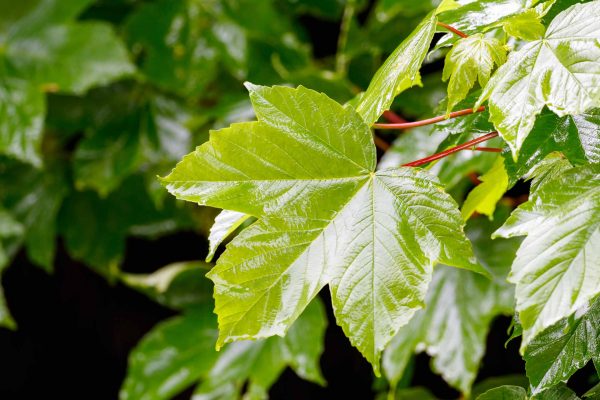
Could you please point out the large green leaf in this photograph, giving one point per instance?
(70, 58)
(555, 268)
(471, 60)
(306, 170)
(460, 307)
(560, 71)
(22, 111)
(399, 72)
(563, 348)
(506, 392)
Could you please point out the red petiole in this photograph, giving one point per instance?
(407, 125)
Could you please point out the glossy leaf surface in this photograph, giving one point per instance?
(555, 269)
(324, 216)
(560, 71)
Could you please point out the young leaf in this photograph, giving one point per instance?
(22, 112)
(560, 71)
(225, 224)
(563, 348)
(399, 72)
(471, 59)
(483, 198)
(460, 306)
(555, 269)
(306, 170)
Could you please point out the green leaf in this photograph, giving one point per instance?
(399, 72)
(70, 58)
(306, 170)
(460, 307)
(174, 355)
(506, 392)
(563, 348)
(22, 111)
(527, 25)
(471, 59)
(259, 364)
(554, 268)
(559, 392)
(179, 286)
(172, 37)
(483, 197)
(577, 137)
(225, 224)
(34, 198)
(9, 228)
(478, 16)
(106, 156)
(24, 18)
(559, 71)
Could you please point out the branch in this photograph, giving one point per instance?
(453, 30)
(451, 150)
(407, 125)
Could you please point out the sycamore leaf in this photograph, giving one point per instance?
(69, 58)
(555, 268)
(399, 72)
(563, 348)
(483, 198)
(561, 71)
(577, 137)
(471, 59)
(306, 169)
(460, 307)
(22, 112)
(225, 224)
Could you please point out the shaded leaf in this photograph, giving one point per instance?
(22, 111)
(506, 392)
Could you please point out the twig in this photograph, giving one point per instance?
(407, 125)
(453, 30)
(393, 117)
(451, 150)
